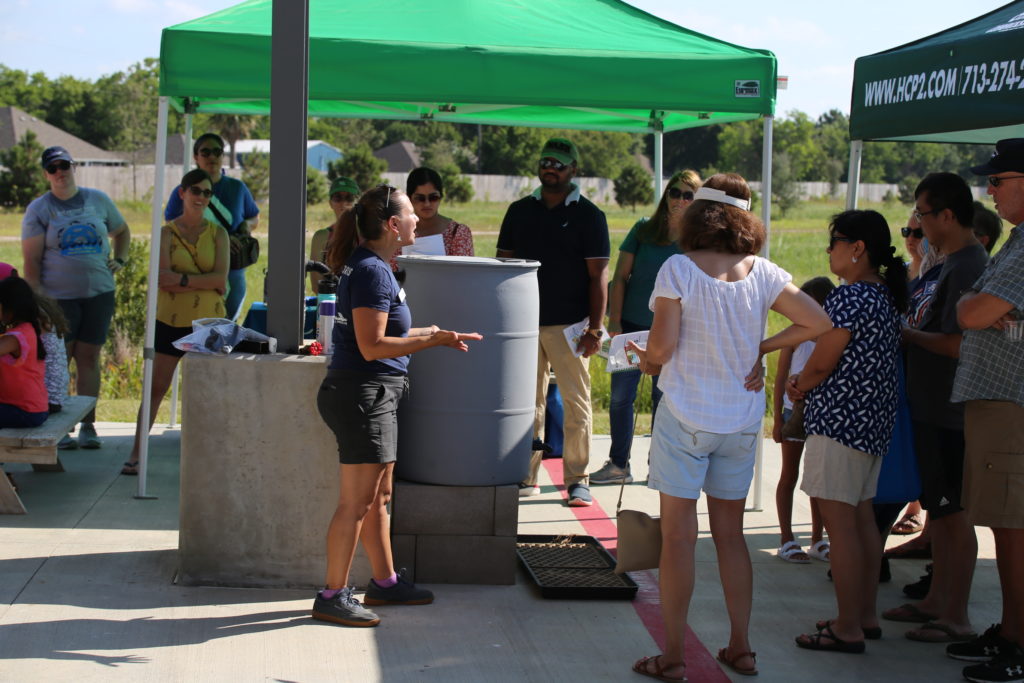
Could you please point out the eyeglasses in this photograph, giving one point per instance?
(676, 193)
(995, 180)
(346, 197)
(197, 191)
(916, 233)
(552, 163)
(210, 152)
(921, 214)
(427, 198)
(837, 238)
(61, 165)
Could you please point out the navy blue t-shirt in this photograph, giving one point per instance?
(367, 282)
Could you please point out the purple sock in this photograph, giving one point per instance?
(329, 593)
(388, 582)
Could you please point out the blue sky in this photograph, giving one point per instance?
(816, 41)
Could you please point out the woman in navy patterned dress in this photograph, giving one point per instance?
(850, 384)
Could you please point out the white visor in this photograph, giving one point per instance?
(714, 195)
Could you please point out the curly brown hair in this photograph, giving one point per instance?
(722, 227)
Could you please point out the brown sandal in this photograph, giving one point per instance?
(724, 658)
(640, 667)
(908, 525)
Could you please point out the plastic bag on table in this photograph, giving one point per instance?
(219, 335)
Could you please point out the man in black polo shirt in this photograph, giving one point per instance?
(563, 230)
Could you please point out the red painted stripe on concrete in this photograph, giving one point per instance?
(700, 663)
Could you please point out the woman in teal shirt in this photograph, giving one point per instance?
(647, 246)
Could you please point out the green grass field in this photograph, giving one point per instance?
(797, 243)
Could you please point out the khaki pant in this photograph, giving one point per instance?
(573, 377)
(993, 492)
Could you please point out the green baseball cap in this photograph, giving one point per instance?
(561, 149)
(343, 184)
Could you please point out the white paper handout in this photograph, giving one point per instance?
(619, 358)
(574, 333)
(431, 245)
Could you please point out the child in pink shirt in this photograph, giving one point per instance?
(23, 396)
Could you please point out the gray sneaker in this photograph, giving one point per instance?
(610, 473)
(67, 444)
(579, 495)
(87, 437)
(343, 609)
(402, 593)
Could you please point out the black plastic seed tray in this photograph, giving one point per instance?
(573, 568)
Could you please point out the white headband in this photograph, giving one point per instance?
(714, 195)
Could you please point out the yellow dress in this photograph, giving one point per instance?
(179, 309)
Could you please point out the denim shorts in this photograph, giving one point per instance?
(362, 411)
(685, 460)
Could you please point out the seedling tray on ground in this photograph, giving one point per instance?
(573, 568)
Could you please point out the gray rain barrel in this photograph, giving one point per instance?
(468, 418)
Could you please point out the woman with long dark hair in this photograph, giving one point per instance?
(850, 383)
(373, 339)
(426, 190)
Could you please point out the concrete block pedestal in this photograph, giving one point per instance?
(455, 534)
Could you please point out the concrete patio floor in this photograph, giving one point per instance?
(87, 593)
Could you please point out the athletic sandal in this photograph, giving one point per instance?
(724, 658)
(131, 469)
(934, 632)
(790, 552)
(820, 550)
(908, 613)
(640, 667)
(870, 633)
(814, 642)
(908, 525)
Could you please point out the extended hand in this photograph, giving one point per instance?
(455, 340)
(646, 366)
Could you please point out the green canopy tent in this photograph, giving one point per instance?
(578, 64)
(964, 85)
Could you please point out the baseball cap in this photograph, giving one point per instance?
(6, 270)
(52, 154)
(1009, 156)
(561, 149)
(343, 184)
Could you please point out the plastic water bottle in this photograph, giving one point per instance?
(325, 323)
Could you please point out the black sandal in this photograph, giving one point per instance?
(813, 642)
(130, 469)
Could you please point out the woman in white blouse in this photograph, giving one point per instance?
(710, 306)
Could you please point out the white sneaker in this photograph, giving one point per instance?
(610, 473)
(528, 490)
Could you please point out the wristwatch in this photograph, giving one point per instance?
(594, 332)
(184, 280)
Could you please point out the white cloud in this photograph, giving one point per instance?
(132, 6)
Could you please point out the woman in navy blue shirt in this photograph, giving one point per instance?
(373, 339)
(850, 383)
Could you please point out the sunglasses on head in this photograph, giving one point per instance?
(61, 165)
(917, 233)
(427, 198)
(210, 152)
(995, 180)
(553, 164)
(197, 191)
(676, 193)
(339, 197)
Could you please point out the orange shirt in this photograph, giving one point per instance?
(22, 382)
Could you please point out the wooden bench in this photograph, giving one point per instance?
(38, 446)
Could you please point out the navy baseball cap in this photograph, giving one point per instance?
(1009, 156)
(52, 154)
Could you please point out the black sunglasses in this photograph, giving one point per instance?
(425, 198)
(916, 233)
(552, 163)
(995, 180)
(197, 191)
(61, 165)
(839, 238)
(210, 152)
(338, 197)
(676, 193)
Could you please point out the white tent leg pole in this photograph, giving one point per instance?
(766, 218)
(853, 177)
(172, 421)
(154, 269)
(659, 161)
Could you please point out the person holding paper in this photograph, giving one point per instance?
(426, 190)
(563, 230)
(647, 246)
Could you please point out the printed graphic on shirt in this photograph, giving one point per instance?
(79, 239)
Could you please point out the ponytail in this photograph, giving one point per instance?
(894, 273)
(343, 240)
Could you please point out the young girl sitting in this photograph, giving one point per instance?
(54, 328)
(23, 397)
(791, 362)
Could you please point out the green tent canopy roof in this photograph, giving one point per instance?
(964, 84)
(585, 64)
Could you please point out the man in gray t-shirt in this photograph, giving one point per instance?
(73, 241)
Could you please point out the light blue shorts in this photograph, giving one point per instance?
(685, 460)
